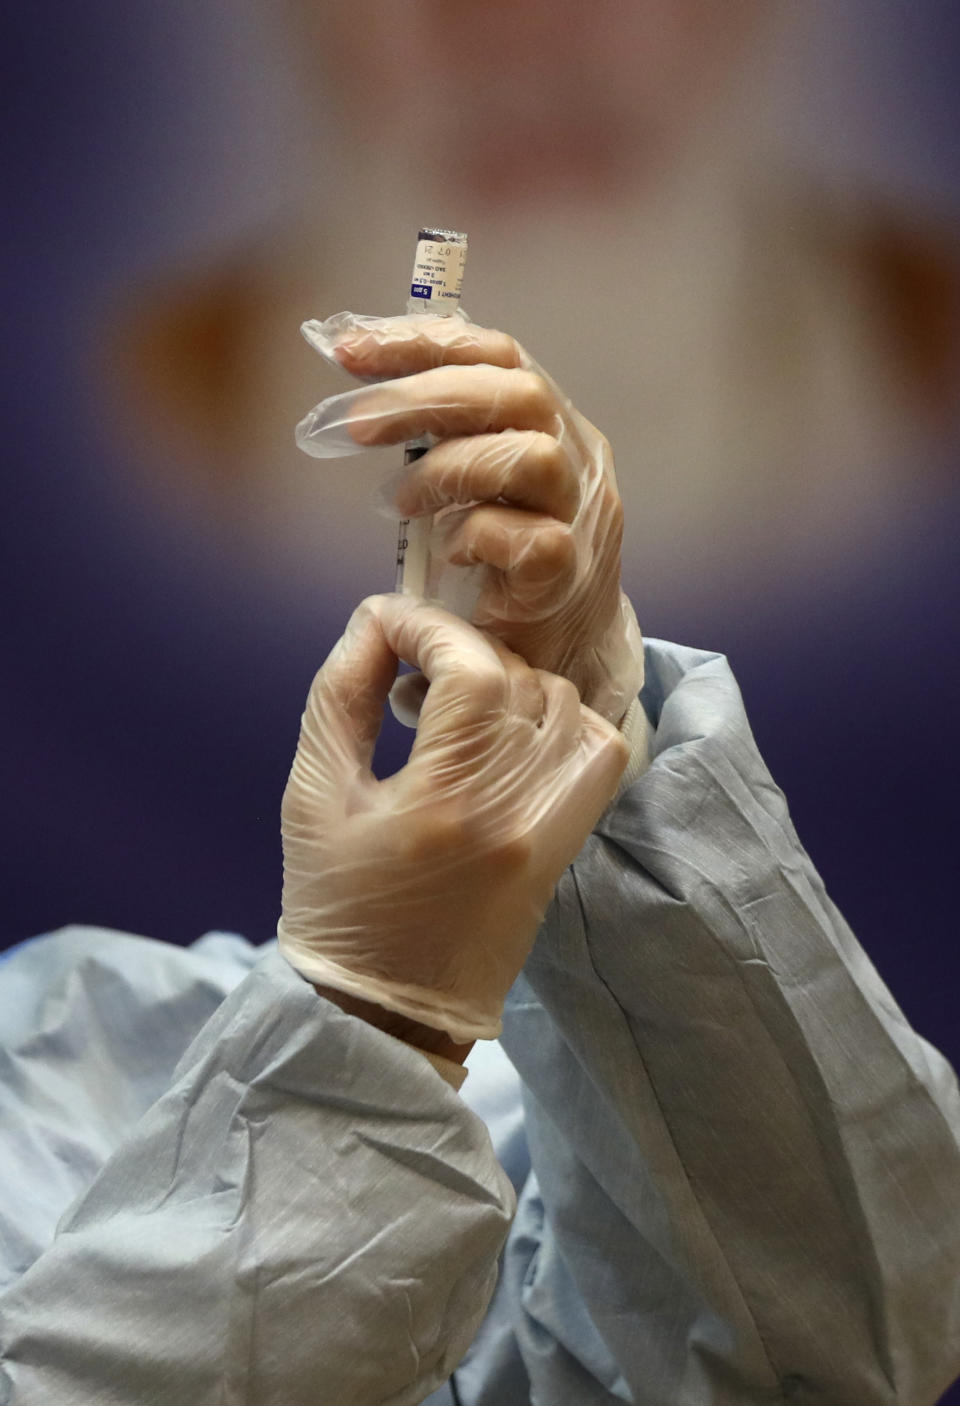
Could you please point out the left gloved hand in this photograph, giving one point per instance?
(423, 893)
(527, 485)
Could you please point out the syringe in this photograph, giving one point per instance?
(435, 289)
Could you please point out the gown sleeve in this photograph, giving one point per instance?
(307, 1212)
(746, 1171)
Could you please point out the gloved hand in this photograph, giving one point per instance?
(423, 892)
(534, 480)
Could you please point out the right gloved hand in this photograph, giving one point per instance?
(423, 892)
(525, 483)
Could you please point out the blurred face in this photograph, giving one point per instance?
(514, 98)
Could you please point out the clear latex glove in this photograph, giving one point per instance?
(423, 892)
(521, 481)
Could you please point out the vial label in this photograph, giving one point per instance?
(438, 272)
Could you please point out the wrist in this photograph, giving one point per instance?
(613, 674)
(401, 1027)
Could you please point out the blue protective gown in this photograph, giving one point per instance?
(729, 1171)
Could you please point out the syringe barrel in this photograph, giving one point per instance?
(435, 287)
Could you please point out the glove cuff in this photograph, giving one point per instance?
(426, 1007)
